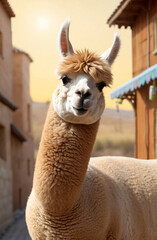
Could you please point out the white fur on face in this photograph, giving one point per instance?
(71, 107)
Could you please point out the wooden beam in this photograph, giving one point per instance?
(131, 97)
(7, 102)
(139, 5)
(125, 22)
(17, 133)
(132, 12)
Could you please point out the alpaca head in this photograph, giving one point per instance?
(79, 98)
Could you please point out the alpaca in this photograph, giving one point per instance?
(75, 197)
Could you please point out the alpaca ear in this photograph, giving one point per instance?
(65, 47)
(112, 52)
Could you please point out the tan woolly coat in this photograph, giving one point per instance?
(114, 199)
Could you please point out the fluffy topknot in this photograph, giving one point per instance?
(87, 62)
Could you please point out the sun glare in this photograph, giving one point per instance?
(43, 23)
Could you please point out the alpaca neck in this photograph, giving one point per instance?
(62, 162)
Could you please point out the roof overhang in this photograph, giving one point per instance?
(17, 133)
(136, 82)
(127, 12)
(7, 102)
(7, 8)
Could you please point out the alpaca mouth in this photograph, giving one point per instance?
(80, 111)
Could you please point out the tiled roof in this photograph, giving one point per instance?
(18, 50)
(7, 8)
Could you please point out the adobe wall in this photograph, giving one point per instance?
(5, 120)
(27, 168)
(6, 207)
(6, 79)
(21, 91)
(16, 158)
(18, 91)
(22, 119)
(23, 166)
(17, 161)
(6, 58)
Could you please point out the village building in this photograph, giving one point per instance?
(141, 91)
(16, 141)
(23, 159)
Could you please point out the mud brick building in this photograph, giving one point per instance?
(16, 141)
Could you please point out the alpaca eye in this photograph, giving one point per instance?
(65, 79)
(100, 86)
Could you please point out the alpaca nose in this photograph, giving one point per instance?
(84, 100)
(83, 95)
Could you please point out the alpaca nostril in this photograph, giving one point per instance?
(79, 93)
(87, 94)
(83, 95)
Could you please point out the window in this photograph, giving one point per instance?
(2, 143)
(155, 132)
(1, 45)
(155, 33)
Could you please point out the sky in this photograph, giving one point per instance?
(35, 29)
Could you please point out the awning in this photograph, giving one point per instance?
(136, 82)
